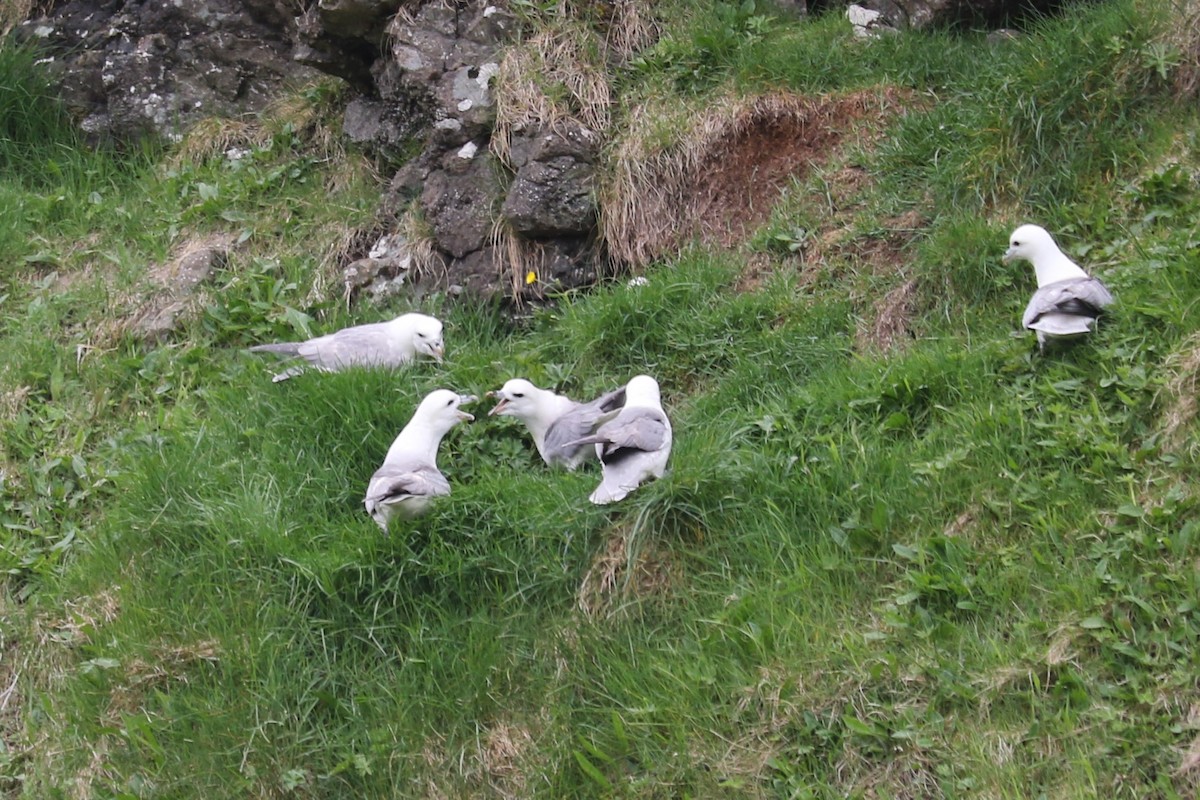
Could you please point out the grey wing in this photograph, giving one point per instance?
(392, 483)
(1085, 297)
(361, 345)
(640, 429)
(563, 435)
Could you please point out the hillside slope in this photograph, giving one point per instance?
(898, 551)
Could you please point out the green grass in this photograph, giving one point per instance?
(959, 569)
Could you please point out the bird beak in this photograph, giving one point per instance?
(496, 409)
(1008, 256)
(466, 398)
(438, 352)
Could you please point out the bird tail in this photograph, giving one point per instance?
(586, 440)
(607, 493)
(279, 349)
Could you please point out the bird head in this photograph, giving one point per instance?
(440, 409)
(427, 336)
(1033, 244)
(1029, 242)
(642, 390)
(516, 398)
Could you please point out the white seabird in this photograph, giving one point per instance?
(554, 421)
(409, 479)
(377, 344)
(634, 445)
(1068, 300)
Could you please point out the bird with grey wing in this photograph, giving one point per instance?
(634, 445)
(409, 479)
(377, 344)
(554, 421)
(1068, 301)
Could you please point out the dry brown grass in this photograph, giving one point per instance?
(715, 169)
(215, 136)
(428, 262)
(891, 329)
(13, 662)
(14, 12)
(168, 665)
(513, 256)
(1177, 397)
(1183, 34)
(623, 572)
(300, 111)
(168, 288)
(631, 28)
(1187, 775)
(558, 73)
(505, 752)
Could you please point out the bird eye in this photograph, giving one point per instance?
(1016, 244)
(518, 394)
(420, 335)
(450, 402)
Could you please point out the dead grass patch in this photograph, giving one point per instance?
(631, 28)
(621, 573)
(80, 619)
(1183, 34)
(559, 73)
(302, 111)
(12, 705)
(504, 754)
(1187, 774)
(890, 329)
(1177, 397)
(170, 291)
(1034, 675)
(13, 400)
(14, 12)
(767, 710)
(720, 177)
(167, 666)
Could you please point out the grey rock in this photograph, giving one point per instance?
(458, 199)
(551, 198)
(176, 286)
(389, 127)
(918, 14)
(552, 192)
(129, 68)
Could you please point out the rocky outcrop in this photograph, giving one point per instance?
(130, 68)
(421, 72)
(449, 55)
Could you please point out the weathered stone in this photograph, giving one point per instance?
(356, 19)
(389, 127)
(175, 288)
(551, 198)
(129, 68)
(942, 13)
(552, 193)
(458, 201)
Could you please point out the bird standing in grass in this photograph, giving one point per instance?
(555, 422)
(409, 479)
(634, 445)
(1068, 300)
(377, 344)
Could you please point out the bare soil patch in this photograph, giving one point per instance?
(720, 179)
(752, 159)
